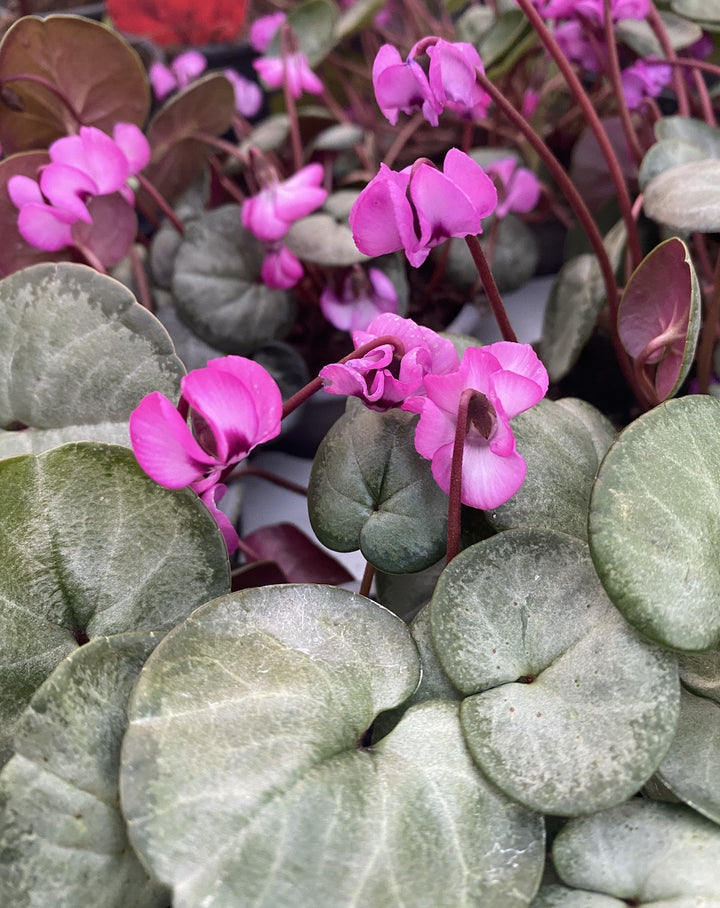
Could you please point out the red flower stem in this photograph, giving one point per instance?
(208, 138)
(455, 494)
(367, 579)
(90, 257)
(582, 213)
(292, 403)
(286, 39)
(704, 98)
(631, 136)
(491, 289)
(563, 64)
(50, 86)
(161, 202)
(412, 125)
(707, 337)
(681, 92)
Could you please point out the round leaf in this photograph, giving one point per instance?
(660, 311)
(644, 852)
(691, 768)
(61, 830)
(688, 129)
(282, 803)
(654, 524)
(320, 239)
(665, 155)
(77, 350)
(567, 710)
(92, 546)
(370, 490)
(216, 288)
(686, 197)
(99, 74)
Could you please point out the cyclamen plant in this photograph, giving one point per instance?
(516, 704)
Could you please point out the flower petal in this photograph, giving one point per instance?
(210, 498)
(262, 387)
(45, 227)
(374, 216)
(133, 144)
(65, 186)
(164, 445)
(24, 191)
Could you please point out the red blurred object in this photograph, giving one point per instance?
(180, 22)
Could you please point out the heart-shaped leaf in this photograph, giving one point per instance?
(217, 289)
(93, 77)
(61, 832)
(76, 351)
(691, 768)
(576, 298)
(562, 455)
(567, 709)
(247, 725)
(178, 154)
(642, 852)
(659, 318)
(92, 546)
(654, 524)
(370, 490)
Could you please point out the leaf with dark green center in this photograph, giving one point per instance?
(567, 709)
(92, 546)
(61, 832)
(654, 523)
(370, 490)
(246, 725)
(642, 852)
(178, 155)
(217, 288)
(76, 351)
(691, 768)
(562, 452)
(102, 77)
(658, 318)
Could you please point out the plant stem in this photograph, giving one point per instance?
(681, 92)
(161, 202)
(491, 289)
(286, 39)
(292, 403)
(50, 86)
(455, 493)
(367, 579)
(631, 135)
(552, 47)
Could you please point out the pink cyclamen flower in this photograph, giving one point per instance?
(508, 378)
(452, 75)
(233, 403)
(270, 213)
(384, 377)
(294, 68)
(82, 166)
(179, 74)
(264, 29)
(420, 207)
(644, 80)
(519, 189)
(362, 298)
(280, 270)
(248, 97)
(401, 85)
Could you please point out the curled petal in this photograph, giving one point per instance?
(164, 445)
(133, 144)
(24, 191)
(67, 187)
(210, 498)
(263, 389)
(162, 79)
(95, 154)
(377, 213)
(45, 227)
(281, 269)
(188, 66)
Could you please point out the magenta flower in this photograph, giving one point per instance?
(644, 80)
(293, 67)
(402, 86)
(280, 270)
(264, 29)
(508, 379)
(363, 297)
(270, 213)
(233, 403)
(518, 190)
(385, 377)
(179, 74)
(82, 167)
(453, 66)
(420, 207)
(248, 97)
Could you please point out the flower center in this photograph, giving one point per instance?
(481, 415)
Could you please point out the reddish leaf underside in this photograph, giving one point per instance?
(299, 557)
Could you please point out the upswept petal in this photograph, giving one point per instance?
(133, 144)
(296, 199)
(452, 71)
(373, 218)
(96, 154)
(188, 66)
(270, 70)
(162, 79)
(164, 445)
(469, 175)
(263, 29)
(259, 216)
(64, 186)
(45, 227)
(24, 191)
(443, 208)
(263, 389)
(281, 269)
(523, 193)
(337, 379)
(521, 359)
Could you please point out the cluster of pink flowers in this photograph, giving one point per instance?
(292, 68)
(82, 169)
(270, 214)
(402, 85)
